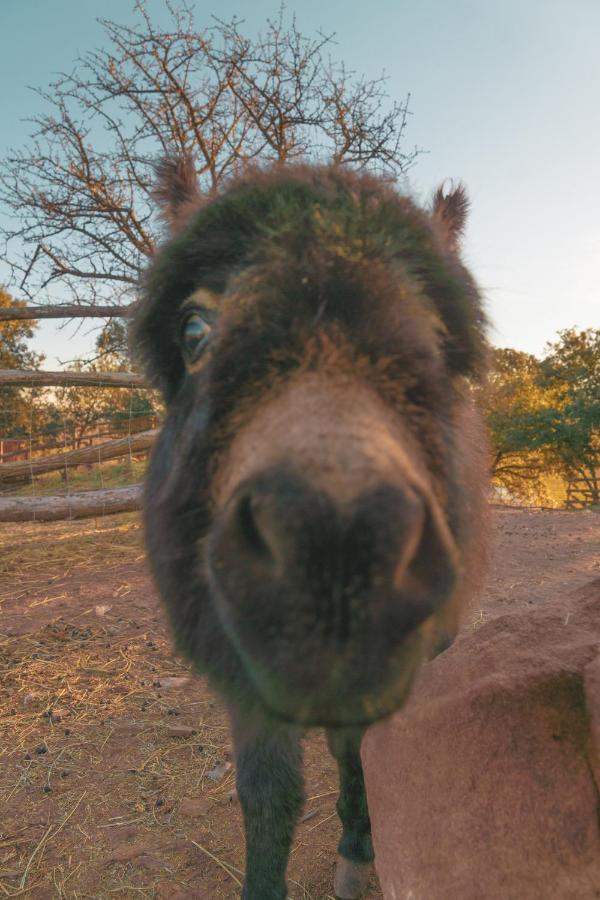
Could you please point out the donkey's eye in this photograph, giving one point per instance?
(195, 332)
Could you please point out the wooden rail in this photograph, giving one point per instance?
(82, 505)
(124, 446)
(33, 378)
(66, 311)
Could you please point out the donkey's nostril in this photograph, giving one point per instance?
(276, 526)
(256, 531)
(411, 517)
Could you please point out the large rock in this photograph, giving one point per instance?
(486, 784)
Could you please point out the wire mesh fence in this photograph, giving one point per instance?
(73, 447)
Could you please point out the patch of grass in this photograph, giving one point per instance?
(109, 474)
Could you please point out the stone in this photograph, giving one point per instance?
(173, 681)
(180, 731)
(101, 609)
(194, 807)
(486, 784)
(220, 771)
(54, 716)
(128, 852)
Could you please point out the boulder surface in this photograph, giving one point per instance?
(485, 786)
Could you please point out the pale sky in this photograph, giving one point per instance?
(505, 97)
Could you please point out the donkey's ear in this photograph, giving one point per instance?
(176, 187)
(449, 210)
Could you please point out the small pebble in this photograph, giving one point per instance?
(219, 771)
(180, 731)
(310, 814)
(195, 806)
(173, 681)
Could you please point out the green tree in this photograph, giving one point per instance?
(544, 415)
(112, 342)
(570, 372)
(80, 410)
(16, 403)
(514, 400)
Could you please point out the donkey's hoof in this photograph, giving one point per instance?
(350, 879)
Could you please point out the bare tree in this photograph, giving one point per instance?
(80, 193)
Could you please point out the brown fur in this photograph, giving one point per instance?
(449, 211)
(176, 191)
(315, 505)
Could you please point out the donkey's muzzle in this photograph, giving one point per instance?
(320, 596)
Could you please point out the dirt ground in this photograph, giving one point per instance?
(115, 765)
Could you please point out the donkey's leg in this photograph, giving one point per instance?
(270, 789)
(356, 847)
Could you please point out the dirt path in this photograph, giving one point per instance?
(115, 776)
(539, 554)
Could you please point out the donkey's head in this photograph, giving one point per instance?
(308, 503)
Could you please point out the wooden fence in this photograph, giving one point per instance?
(583, 493)
(82, 504)
(129, 445)
(65, 439)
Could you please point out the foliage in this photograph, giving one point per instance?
(82, 192)
(544, 415)
(112, 342)
(76, 411)
(571, 371)
(15, 404)
(14, 352)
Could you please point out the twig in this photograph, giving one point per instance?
(224, 866)
(319, 796)
(326, 819)
(33, 855)
(45, 838)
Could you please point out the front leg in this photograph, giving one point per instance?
(356, 847)
(270, 789)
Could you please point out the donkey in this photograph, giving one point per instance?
(314, 503)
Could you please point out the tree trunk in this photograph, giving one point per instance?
(83, 505)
